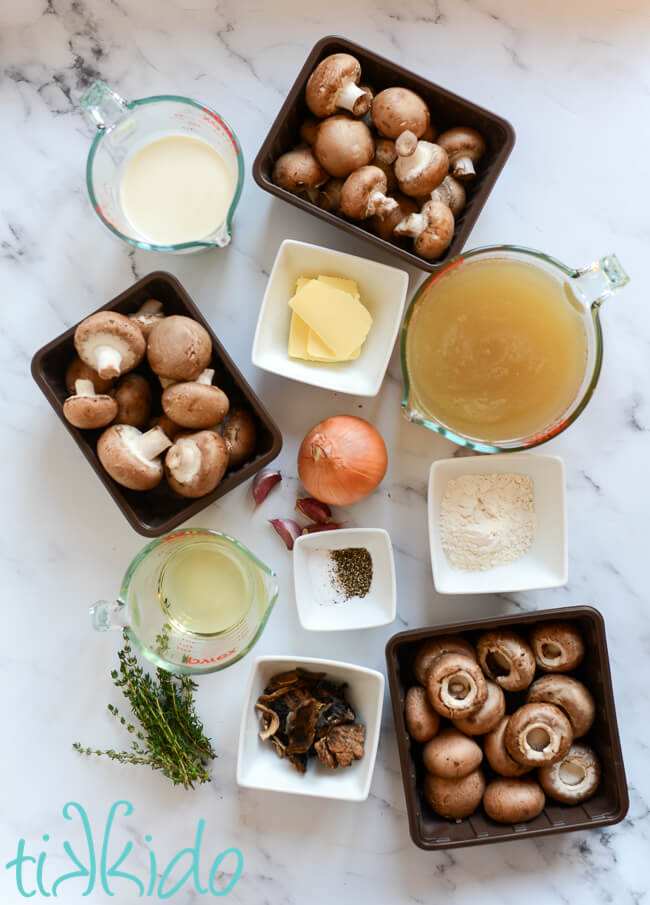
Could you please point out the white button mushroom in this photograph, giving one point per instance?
(464, 147)
(196, 463)
(109, 343)
(343, 145)
(432, 229)
(334, 84)
(179, 348)
(363, 194)
(130, 457)
(87, 409)
(195, 404)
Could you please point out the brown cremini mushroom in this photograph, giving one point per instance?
(79, 370)
(454, 798)
(179, 348)
(133, 398)
(421, 166)
(195, 403)
(308, 130)
(464, 147)
(452, 193)
(485, 719)
(538, 734)
(109, 343)
(149, 313)
(513, 800)
(329, 195)
(506, 658)
(168, 426)
(240, 436)
(451, 754)
(130, 457)
(298, 170)
(430, 651)
(432, 229)
(456, 686)
(496, 752)
(570, 695)
(333, 85)
(574, 778)
(87, 409)
(397, 110)
(557, 646)
(385, 226)
(422, 722)
(196, 463)
(342, 145)
(364, 194)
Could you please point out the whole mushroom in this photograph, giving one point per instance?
(432, 229)
(87, 409)
(490, 714)
(149, 313)
(109, 343)
(79, 370)
(196, 463)
(422, 721)
(343, 145)
(397, 110)
(452, 193)
(570, 695)
(196, 403)
(364, 194)
(130, 457)
(557, 646)
(334, 84)
(506, 658)
(574, 778)
(538, 734)
(497, 754)
(456, 686)
(240, 436)
(454, 798)
(451, 754)
(298, 170)
(430, 651)
(513, 800)
(133, 398)
(464, 147)
(420, 167)
(179, 348)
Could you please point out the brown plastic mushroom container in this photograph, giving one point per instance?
(608, 806)
(447, 110)
(155, 512)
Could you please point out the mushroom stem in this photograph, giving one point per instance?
(151, 444)
(381, 204)
(412, 225)
(108, 360)
(184, 461)
(205, 377)
(350, 98)
(464, 167)
(84, 388)
(151, 306)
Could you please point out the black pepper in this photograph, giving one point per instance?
(352, 571)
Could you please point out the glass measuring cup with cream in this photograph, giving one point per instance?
(163, 173)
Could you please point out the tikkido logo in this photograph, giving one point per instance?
(98, 867)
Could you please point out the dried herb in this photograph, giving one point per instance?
(172, 738)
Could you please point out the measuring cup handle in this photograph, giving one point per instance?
(108, 614)
(104, 106)
(602, 278)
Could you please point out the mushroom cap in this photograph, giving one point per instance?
(506, 658)
(109, 329)
(196, 463)
(385, 226)
(513, 800)
(119, 449)
(537, 734)
(451, 754)
(298, 170)
(133, 398)
(422, 722)
(343, 144)
(385, 151)
(452, 193)
(194, 405)
(166, 424)
(430, 651)
(88, 412)
(490, 714)
(456, 686)
(497, 754)
(179, 348)
(240, 435)
(574, 778)
(363, 193)
(308, 130)
(462, 144)
(328, 81)
(79, 370)
(396, 110)
(423, 170)
(557, 646)
(454, 798)
(569, 695)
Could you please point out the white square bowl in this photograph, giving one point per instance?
(259, 767)
(546, 563)
(382, 290)
(378, 607)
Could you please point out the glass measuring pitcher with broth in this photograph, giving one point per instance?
(164, 173)
(193, 601)
(501, 349)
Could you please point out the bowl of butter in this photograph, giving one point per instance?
(329, 318)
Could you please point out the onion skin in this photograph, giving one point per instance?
(342, 460)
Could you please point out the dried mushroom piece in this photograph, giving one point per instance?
(303, 715)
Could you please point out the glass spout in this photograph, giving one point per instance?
(601, 279)
(104, 106)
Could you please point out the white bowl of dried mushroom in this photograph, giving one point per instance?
(310, 727)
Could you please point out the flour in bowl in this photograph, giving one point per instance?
(487, 520)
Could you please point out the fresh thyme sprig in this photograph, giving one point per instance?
(172, 738)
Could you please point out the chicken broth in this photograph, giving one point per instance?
(496, 350)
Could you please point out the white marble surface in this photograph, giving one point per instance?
(574, 78)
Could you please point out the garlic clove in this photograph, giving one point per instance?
(314, 510)
(263, 482)
(288, 530)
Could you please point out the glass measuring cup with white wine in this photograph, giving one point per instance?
(501, 349)
(194, 601)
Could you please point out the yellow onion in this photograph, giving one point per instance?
(342, 460)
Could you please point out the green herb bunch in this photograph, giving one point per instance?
(172, 739)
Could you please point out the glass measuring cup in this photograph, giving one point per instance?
(151, 606)
(124, 128)
(585, 289)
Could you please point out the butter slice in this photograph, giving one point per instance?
(298, 338)
(344, 285)
(337, 318)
